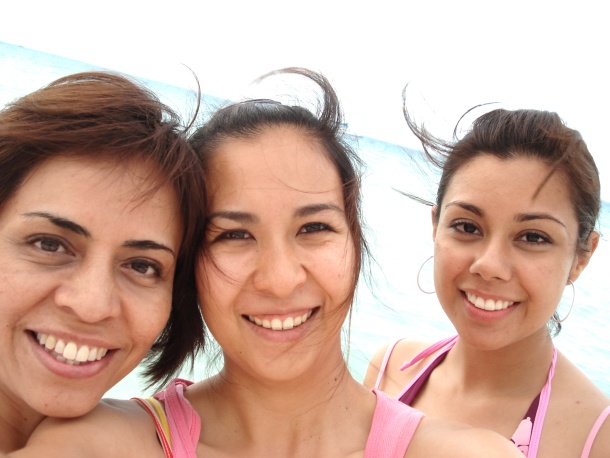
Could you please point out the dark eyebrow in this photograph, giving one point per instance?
(522, 217)
(238, 217)
(64, 223)
(309, 210)
(245, 217)
(148, 245)
(466, 206)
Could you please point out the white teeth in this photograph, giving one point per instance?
(82, 355)
(70, 353)
(278, 325)
(488, 304)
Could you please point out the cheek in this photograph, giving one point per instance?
(149, 318)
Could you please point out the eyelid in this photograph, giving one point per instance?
(321, 227)
(155, 265)
(545, 238)
(34, 239)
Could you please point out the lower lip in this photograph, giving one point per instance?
(286, 335)
(73, 371)
(486, 315)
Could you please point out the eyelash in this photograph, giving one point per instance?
(158, 271)
(38, 242)
(543, 238)
(233, 235)
(310, 228)
(62, 248)
(456, 224)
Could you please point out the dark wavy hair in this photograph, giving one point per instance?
(508, 134)
(247, 119)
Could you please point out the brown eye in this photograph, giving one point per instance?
(145, 268)
(314, 227)
(49, 245)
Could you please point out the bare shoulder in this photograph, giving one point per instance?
(601, 442)
(113, 428)
(458, 441)
(574, 410)
(393, 378)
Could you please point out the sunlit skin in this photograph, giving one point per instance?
(82, 258)
(280, 248)
(275, 285)
(503, 240)
(517, 246)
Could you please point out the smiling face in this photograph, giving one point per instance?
(502, 253)
(86, 272)
(275, 287)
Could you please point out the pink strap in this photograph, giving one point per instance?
(444, 345)
(593, 434)
(384, 363)
(449, 342)
(393, 428)
(165, 441)
(545, 394)
(184, 422)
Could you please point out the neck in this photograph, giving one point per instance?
(17, 422)
(309, 413)
(521, 366)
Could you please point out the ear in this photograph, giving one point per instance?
(581, 261)
(434, 223)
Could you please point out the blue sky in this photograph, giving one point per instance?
(455, 54)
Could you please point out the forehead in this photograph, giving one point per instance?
(281, 158)
(97, 185)
(511, 184)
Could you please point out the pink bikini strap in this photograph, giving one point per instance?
(593, 434)
(449, 342)
(545, 395)
(445, 345)
(184, 422)
(384, 363)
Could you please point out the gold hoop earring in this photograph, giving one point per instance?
(571, 306)
(419, 272)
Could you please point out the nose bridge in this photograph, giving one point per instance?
(279, 268)
(493, 259)
(90, 290)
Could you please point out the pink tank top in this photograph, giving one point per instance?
(393, 427)
(528, 433)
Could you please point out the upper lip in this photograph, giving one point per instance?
(78, 339)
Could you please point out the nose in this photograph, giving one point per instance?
(279, 270)
(90, 291)
(492, 261)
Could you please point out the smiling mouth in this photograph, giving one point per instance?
(69, 352)
(487, 304)
(277, 324)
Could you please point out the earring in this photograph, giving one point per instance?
(571, 306)
(419, 272)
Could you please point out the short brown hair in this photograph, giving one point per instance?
(107, 115)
